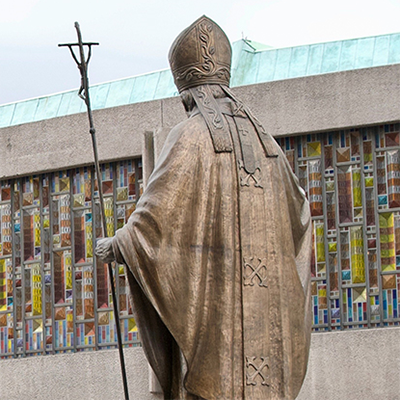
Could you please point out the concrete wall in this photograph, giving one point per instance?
(288, 107)
(80, 376)
(358, 364)
(355, 364)
(326, 102)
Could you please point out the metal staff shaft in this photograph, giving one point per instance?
(84, 94)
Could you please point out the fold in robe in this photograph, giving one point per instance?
(219, 270)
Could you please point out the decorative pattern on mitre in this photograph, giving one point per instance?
(201, 55)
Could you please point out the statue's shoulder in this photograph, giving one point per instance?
(193, 123)
(189, 130)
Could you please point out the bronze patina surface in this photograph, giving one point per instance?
(201, 54)
(218, 249)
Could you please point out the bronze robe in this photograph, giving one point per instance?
(218, 266)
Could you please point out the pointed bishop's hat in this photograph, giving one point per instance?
(201, 55)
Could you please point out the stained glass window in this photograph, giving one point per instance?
(54, 295)
(352, 181)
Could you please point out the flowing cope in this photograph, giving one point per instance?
(218, 267)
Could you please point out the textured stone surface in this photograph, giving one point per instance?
(80, 376)
(66, 142)
(355, 364)
(326, 102)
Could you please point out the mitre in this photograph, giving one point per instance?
(201, 55)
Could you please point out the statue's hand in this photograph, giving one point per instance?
(104, 250)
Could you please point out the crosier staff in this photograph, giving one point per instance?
(84, 95)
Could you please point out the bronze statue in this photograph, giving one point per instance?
(218, 249)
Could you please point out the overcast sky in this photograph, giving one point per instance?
(135, 35)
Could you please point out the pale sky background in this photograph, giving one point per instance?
(135, 36)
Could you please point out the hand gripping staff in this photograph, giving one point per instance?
(83, 93)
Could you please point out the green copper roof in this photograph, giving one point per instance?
(252, 63)
(293, 62)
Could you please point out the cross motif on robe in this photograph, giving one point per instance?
(245, 177)
(257, 371)
(243, 131)
(255, 271)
